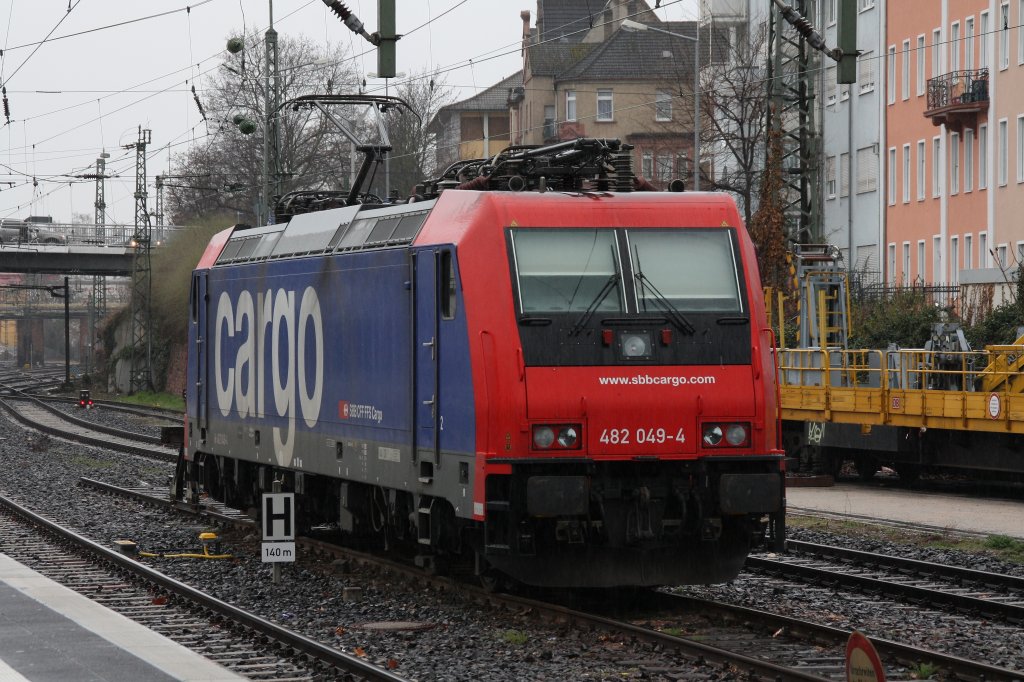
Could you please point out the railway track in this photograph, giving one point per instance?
(755, 643)
(243, 642)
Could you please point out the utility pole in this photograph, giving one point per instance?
(98, 300)
(140, 377)
(271, 129)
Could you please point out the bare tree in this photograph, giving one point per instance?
(413, 154)
(735, 97)
(223, 172)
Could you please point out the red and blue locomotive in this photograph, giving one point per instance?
(528, 366)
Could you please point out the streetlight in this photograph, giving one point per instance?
(630, 25)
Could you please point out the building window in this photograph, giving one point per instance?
(968, 160)
(1020, 32)
(906, 174)
(922, 169)
(549, 121)
(905, 73)
(954, 163)
(891, 74)
(1001, 255)
(982, 156)
(920, 64)
(892, 264)
(1004, 35)
(647, 165)
(866, 4)
(954, 260)
(866, 71)
(830, 177)
(968, 254)
(969, 44)
(570, 105)
(604, 105)
(937, 277)
(983, 249)
(664, 170)
(892, 175)
(906, 264)
(936, 53)
(954, 46)
(920, 261)
(831, 11)
(867, 170)
(936, 175)
(1020, 148)
(830, 86)
(1004, 153)
(844, 175)
(983, 42)
(662, 105)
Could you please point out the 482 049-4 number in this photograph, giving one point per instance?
(641, 436)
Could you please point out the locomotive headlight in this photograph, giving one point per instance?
(712, 434)
(736, 434)
(635, 345)
(543, 437)
(567, 437)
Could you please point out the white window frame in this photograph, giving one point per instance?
(921, 56)
(844, 175)
(920, 260)
(1001, 252)
(1019, 253)
(968, 255)
(983, 156)
(1003, 158)
(1020, 148)
(983, 249)
(906, 174)
(954, 258)
(890, 70)
(954, 46)
(937, 264)
(605, 95)
(906, 264)
(867, 169)
(922, 168)
(954, 163)
(968, 160)
(866, 71)
(905, 72)
(831, 183)
(936, 53)
(831, 86)
(1004, 35)
(832, 9)
(936, 167)
(865, 5)
(983, 43)
(892, 176)
(570, 105)
(647, 165)
(969, 43)
(662, 102)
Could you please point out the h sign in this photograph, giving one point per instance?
(278, 517)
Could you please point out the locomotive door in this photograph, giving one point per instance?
(195, 393)
(426, 357)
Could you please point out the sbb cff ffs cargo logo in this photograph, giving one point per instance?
(242, 356)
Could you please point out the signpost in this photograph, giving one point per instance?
(278, 529)
(862, 661)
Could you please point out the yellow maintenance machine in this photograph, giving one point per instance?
(940, 406)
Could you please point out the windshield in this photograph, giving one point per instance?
(693, 270)
(567, 270)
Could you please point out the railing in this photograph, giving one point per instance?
(78, 234)
(978, 390)
(958, 87)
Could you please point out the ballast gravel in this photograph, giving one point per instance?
(448, 637)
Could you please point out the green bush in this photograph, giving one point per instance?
(905, 319)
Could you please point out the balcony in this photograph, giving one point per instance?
(956, 98)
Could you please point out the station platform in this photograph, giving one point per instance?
(942, 511)
(49, 633)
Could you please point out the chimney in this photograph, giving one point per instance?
(525, 16)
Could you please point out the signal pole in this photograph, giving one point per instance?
(271, 132)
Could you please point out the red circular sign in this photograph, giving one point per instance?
(994, 406)
(862, 661)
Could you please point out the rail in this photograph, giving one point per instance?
(976, 391)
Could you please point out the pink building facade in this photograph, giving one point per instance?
(954, 140)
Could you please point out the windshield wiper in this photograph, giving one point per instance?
(676, 317)
(610, 284)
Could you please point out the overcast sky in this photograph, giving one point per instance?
(73, 97)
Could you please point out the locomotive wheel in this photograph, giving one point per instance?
(867, 467)
(493, 581)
